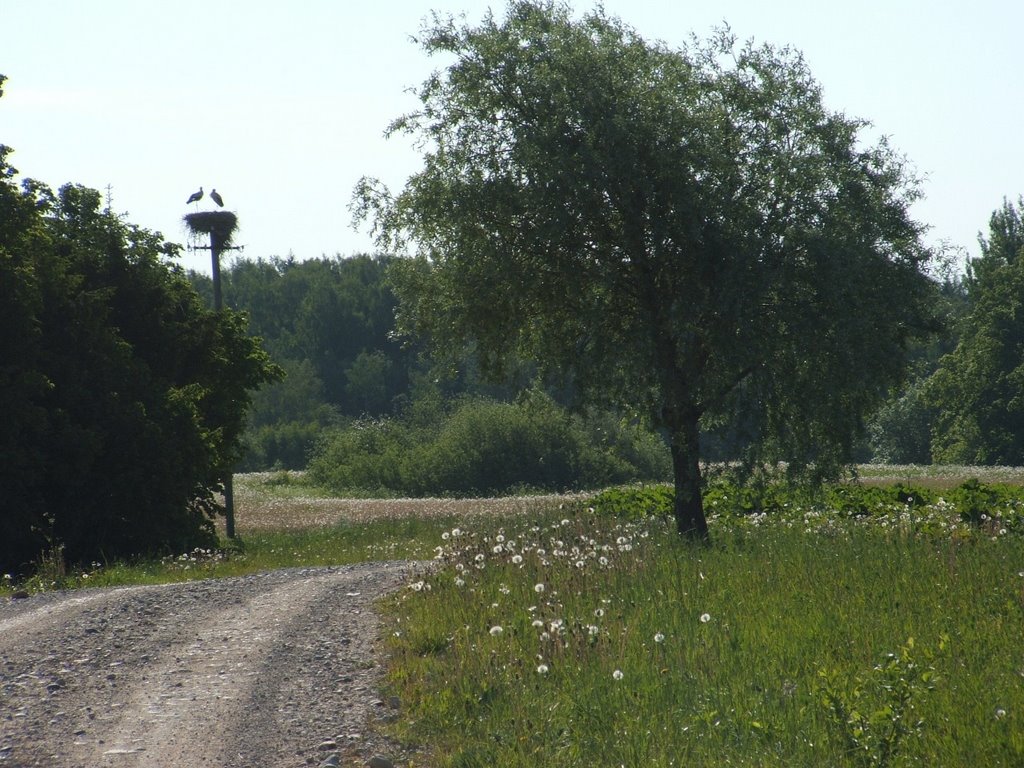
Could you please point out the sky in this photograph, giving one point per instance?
(282, 107)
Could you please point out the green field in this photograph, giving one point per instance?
(554, 634)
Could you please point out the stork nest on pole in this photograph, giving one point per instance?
(222, 225)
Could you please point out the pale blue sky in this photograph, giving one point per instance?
(281, 106)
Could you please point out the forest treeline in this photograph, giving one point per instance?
(367, 412)
(330, 324)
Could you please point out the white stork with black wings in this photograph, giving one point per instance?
(195, 197)
(215, 196)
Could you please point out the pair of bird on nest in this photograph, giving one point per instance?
(195, 197)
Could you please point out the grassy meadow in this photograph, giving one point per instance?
(557, 631)
(805, 638)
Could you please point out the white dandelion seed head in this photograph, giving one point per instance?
(659, 638)
(617, 674)
(538, 588)
(537, 623)
(496, 630)
(705, 618)
(517, 559)
(542, 669)
(460, 582)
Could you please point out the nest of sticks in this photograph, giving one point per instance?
(221, 225)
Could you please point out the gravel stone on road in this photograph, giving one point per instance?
(273, 669)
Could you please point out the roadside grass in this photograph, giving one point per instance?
(284, 520)
(261, 550)
(805, 638)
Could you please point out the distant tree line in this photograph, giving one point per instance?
(330, 324)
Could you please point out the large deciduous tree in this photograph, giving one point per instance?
(691, 232)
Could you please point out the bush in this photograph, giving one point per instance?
(634, 502)
(278, 446)
(484, 447)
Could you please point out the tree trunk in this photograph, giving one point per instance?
(689, 506)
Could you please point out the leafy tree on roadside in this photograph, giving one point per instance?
(124, 399)
(687, 232)
(978, 389)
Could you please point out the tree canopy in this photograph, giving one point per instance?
(124, 398)
(978, 389)
(690, 232)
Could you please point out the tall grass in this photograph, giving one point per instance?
(801, 640)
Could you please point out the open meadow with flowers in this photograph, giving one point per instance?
(813, 634)
(870, 624)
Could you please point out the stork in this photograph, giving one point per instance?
(195, 197)
(215, 196)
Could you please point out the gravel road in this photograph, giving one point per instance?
(274, 669)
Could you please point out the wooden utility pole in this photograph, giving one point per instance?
(220, 225)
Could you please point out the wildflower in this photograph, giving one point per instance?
(416, 586)
(542, 669)
(705, 618)
(538, 588)
(496, 630)
(537, 623)
(617, 674)
(660, 638)
(592, 630)
(460, 582)
(479, 558)
(517, 559)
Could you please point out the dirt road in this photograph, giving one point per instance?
(276, 669)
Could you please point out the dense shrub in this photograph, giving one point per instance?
(634, 502)
(992, 508)
(484, 447)
(285, 445)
